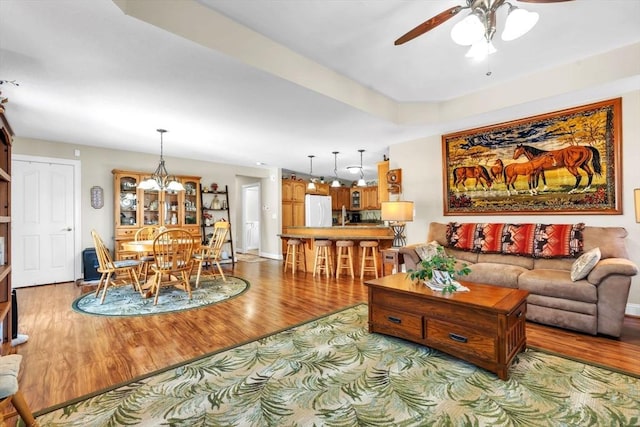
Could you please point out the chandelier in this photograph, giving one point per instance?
(161, 180)
(336, 181)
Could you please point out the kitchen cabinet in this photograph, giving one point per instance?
(135, 208)
(383, 191)
(293, 193)
(370, 198)
(322, 189)
(355, 199)
(6, 138)
(339, 198)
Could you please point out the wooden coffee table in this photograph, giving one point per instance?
(485, 326)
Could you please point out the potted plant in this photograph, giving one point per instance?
(439, 269)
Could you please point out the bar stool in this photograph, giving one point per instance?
(344, 257)
(369, 254)
(295, 256)
(323, 258)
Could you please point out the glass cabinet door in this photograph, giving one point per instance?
(191, 202)
(128, 203)
(152, 206)
(171, 208)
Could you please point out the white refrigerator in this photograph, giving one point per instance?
(317, 211)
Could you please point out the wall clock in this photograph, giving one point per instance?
(394, 180)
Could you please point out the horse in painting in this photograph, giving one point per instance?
(496, 170)
(572, 158)
(479, 173)
(530, 169)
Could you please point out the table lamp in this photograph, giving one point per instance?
(397, 213)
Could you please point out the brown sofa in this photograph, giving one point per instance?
(594, 305)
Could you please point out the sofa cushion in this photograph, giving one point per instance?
(494, 274)
(427, 251)
(583, 265)
(557, 283)
(522, 261)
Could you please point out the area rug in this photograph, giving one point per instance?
(124, 301)
(249, 258)
(333, 372)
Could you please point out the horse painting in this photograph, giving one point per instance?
(530, 169)
(572, 158)
(479, 173)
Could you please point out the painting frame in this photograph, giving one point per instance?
(568, 162)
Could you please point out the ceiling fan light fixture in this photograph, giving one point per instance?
(518, 23)
(480, 50)
(468, 31)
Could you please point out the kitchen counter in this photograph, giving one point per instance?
(384, 236)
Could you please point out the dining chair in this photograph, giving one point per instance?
(108, 268)
(212, 252)
(172, 250)
(148, 232)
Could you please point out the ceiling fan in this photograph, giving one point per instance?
(480, 24)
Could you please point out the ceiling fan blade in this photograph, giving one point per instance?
(429, 24)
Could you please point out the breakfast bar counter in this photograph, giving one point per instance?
(382, 234)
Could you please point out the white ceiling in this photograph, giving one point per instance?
(327, 77)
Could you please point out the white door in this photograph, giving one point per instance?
(251, 217)
(42, 220)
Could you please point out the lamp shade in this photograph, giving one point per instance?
(468, 31)
(397, 211)
(519, 22)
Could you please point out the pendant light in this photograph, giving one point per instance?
(311, 185)
(361, 181)
(161, 180)
(335, 182)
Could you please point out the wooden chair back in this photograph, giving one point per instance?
(172, 250)
(212, 252)
(105, 261)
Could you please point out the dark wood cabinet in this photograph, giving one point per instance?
(6, 138)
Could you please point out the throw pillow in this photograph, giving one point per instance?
(427, 251)
(462, 236)
(558, 240)
(518, 239)
(583, 265)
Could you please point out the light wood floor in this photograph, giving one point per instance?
(70, 354)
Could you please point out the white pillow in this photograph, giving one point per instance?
(583, 265)
(427, 251)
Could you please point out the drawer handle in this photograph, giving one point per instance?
(519, 315)
(394, 319)
(458, 338)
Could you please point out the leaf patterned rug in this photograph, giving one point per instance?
(124, 301)
(332, 372)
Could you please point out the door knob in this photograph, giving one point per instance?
(67, 229)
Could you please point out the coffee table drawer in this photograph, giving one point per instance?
(397, 323)
(446, 335)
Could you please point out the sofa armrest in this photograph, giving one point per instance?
(609, 266)
(411, 258)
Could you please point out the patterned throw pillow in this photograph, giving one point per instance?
(518, 239)
(558, 240)
(488, 238)
(583, 265)
(427, 251)
(462, 236)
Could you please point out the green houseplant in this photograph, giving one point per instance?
(440, 268)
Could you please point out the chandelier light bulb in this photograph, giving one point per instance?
(481, 50)
(468, 31)
(519, 22)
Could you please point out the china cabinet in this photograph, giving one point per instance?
(215, 207)
(135, 208)
(6, 137)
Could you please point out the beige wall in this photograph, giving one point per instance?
(97, 164)
(422, 183)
